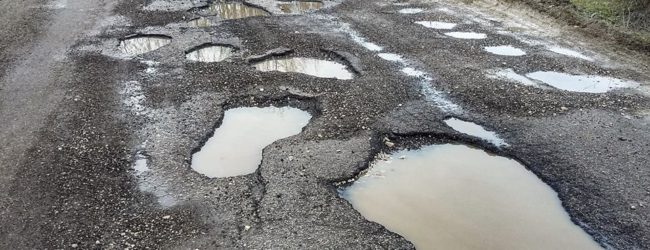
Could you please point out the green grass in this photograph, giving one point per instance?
(609, 10)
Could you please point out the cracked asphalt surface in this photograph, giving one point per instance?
(76, 114)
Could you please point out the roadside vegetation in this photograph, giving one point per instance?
(626, 22)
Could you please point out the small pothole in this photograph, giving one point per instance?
(411, 11)
(437, 25)
(580, 83)
(140, 44)
(309, 66)
(473, 129)
(234, 10)
(299, 7)
(209, 53)
(236, 146)
(505, 50)
(466, 35)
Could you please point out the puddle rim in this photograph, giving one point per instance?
(330, 56)
(235, 49)
(198, 9)
(310, 105)
(417, 141)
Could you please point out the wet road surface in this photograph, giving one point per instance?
(97, 142)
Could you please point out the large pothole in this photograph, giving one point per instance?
(457, 197)
(236, 146)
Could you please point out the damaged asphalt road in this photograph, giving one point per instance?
(77, 113)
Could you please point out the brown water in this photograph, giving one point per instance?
(457, 197)
(309, 66)
(299, 7)
(234, 10)
(236, 146)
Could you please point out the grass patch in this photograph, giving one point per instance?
(604, 9)
(631, 14)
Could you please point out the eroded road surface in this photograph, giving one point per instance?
(194, 124)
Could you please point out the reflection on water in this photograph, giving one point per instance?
(457, 197)
(212, 53)
(299, 7)
(234, 10)
(201, 22)
(309, 66)
(236, 146)
(142, 44)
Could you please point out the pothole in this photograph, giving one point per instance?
(309, 66)
(140, 44)
(511, 75)
(236, 146)
(437, 25)
(234, 10)
(505, 50)
(457, 197)
(580, 83)
(141, 164)
(209, 53)
(466, 35)
(201, 22)
(391, 57)
(299, 7)
(473, 129)
(570, 52)
(411, 11)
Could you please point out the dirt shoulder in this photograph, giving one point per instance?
(634, 38)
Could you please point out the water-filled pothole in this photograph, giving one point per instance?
(140, 44)
(466, 35)
(309, 66)
(236, 146)
(457, 197)
(473, 129)
(505, 50)
(299, 7)
(570, 52)
(234, 10)
(201, 22)
(580, 83)
(437, 25)
(411, 11)
(209, 53)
